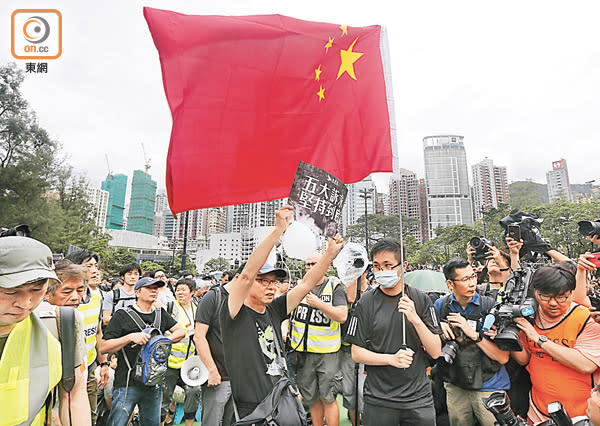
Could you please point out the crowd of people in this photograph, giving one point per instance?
(78, 350)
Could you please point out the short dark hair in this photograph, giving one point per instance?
(227, 274)
(388, 244)
(158, 270)
(80, 256)
(128, 268)
(187, 281)
(453, 264)
(554, 279)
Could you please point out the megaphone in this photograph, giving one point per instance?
(193, 371)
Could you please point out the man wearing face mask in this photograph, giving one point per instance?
(393, 330)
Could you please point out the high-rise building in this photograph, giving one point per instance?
(162, 202)
(404, 199)
(215, 220)
(99, 199)
(447, 179)
(354, 208)
(116, 185)
(559, 187)
(253, 215)
(489, 186)
(141, 206)
(423, 215)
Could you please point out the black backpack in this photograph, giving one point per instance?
(117, 298)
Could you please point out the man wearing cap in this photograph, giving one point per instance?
(124, 337)
(251, 318)
(316, 339)
(30, 357)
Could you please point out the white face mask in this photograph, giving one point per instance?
(387, 279)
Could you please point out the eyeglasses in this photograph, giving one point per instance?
(387, 267)
(561, 298)
(266, 283)
(465, 279)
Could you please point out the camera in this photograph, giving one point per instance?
(451, 347)
(17, 231)
(479, 244)
(528, 230)
(588, 228)
(515, 302)
(498, 404)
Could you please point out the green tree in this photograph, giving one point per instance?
(382, 226)
(114, 258)
(37, 187)
(173, 266)
(524, 195)
(149, 266)
(216, 264)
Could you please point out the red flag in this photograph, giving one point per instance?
(251, 96)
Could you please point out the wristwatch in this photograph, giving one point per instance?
(102, 364)
(479, 338)
(542, 339)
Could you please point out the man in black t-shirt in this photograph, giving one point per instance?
(392, 331)
(123, 333)
(251, 318)
(217, 405)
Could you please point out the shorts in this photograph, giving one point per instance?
(319, 377)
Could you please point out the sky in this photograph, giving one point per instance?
(520, 80)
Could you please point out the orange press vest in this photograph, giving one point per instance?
(553, 381)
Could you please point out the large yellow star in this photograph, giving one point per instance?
(321, 93)
(348, 59)
(329, 44)
(344, 29)
(318, 72)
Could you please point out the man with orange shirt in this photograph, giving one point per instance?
(561, 348)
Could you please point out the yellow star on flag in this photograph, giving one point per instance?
(321, 93)
(329, 44)
(318, 72)
(344, 29)
(348, 58)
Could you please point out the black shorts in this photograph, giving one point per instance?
(376, 415)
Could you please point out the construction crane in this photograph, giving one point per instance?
(110, 173)
(146, 159)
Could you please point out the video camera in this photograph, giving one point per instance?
(17, 231)
(498, 404)
(515, 302)
(480, 244)
(529, 224)
(588, 228)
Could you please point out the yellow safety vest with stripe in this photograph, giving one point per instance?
(30, 367)
(183, 349)
(323, 335)
(91, 317)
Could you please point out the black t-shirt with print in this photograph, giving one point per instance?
(208, 313)
(250, 353)
(377, 325)
(122, 324)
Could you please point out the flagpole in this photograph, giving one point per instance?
(402, 278)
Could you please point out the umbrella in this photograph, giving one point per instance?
(426, 280)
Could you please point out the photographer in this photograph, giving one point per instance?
(476, 370)
(497, 266)
(561, 348)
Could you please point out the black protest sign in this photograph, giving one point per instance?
(317, 198)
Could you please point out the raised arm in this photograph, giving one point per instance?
(580, 294)
(311, 279)
(239, 287)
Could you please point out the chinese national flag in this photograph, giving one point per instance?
(251, 96)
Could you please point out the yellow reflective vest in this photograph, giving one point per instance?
(30, 367)
(183, 349)
(324, 335)
(91, 317)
